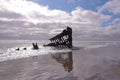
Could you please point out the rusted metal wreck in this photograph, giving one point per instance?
(64, 39)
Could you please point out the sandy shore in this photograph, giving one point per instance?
(86, 64)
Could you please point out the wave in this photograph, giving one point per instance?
(12, 53)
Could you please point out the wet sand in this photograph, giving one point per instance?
(101, 63)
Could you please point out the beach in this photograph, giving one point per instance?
(59, 39)
(100, 63)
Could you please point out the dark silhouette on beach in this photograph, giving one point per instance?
(35, 46)
(25, 48)
(17, 49)
(63, 39)
(65, 59)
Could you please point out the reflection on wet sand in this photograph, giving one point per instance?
(111, 73)
(65, 59)
(85, 64)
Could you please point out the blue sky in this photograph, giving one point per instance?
(69, 5)
(89, 19)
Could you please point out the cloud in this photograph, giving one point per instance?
(23, 19)
(88, 16)
(112, 6)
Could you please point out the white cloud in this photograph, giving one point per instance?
(112, 6)
(88, 16)
(28, 20)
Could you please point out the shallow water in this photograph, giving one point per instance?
(8, 48)
(90, 63)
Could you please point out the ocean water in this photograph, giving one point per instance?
(8, 48)
(95, 60)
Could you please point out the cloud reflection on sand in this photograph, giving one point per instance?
(100, 63)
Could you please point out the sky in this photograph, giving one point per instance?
(42, 19)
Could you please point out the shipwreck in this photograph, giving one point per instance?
(63, 39)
